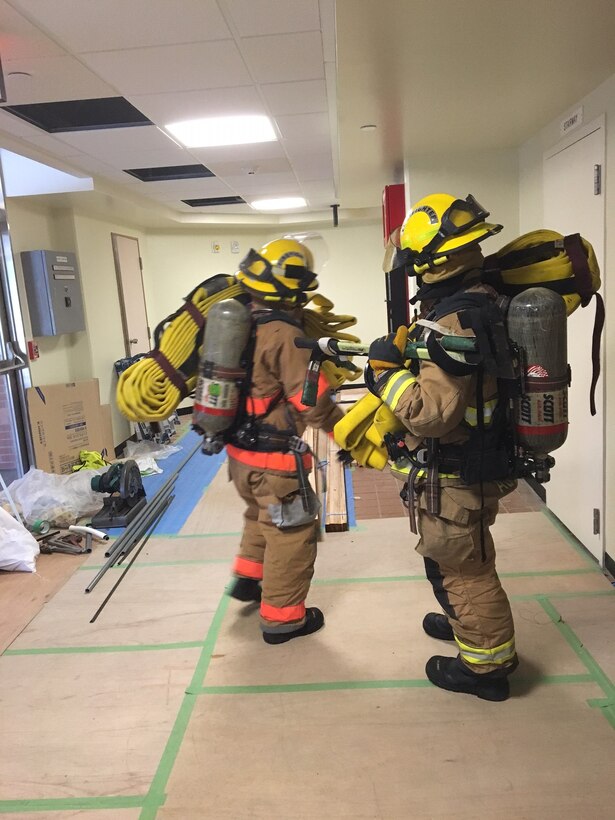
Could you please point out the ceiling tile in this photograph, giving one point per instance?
(123, 148)
(20, 40)
(53, 79)
(262, 166)
(296, 98)
(268, 185)
(319, 193)
(255, 17)
(94, 166)
(312, 167)
(185, 105)
(172, 68)
(184, 189)
(285, 57)
(246, 154)
(305, 133)
(116, 24)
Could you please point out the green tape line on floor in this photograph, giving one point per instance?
(589, 593)
(71, 804)
(330, 686)
(586, 658)
(546, 573)
(196, 535)
(143, 564)
(94, 650)
(156, 794)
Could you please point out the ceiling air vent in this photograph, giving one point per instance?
(169, 172)
(80, 115)
(214, 200)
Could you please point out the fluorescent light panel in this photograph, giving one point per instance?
(287, 203)
(212, 131)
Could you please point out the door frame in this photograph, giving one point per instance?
(578, 135)
(120, 289)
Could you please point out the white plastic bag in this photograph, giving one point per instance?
(18, 547)
(59, 499)
(136, 449)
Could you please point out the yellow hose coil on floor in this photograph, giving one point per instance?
(153, 387)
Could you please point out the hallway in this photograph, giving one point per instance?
(171, 706)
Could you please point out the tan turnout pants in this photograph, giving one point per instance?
(459, 555)
(283, 559)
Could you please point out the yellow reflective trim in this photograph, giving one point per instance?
(497, 654)
(405, 471)
(395, 388)
(471, 414)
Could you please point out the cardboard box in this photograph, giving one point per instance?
(67, 418)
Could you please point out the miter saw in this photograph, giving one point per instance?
(127, 497)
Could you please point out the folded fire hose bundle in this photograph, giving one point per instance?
(153, 387)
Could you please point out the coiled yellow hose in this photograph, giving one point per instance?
(153, 387)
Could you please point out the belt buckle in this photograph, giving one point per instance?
(297, 445)
(421, 456)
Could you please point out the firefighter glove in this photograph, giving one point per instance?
(387, 353)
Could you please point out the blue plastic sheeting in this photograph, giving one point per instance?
(190, 485)
(352, 518)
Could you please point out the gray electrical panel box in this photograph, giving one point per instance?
(53, 289)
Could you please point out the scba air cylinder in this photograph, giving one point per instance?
(220, 372)
(537, 325)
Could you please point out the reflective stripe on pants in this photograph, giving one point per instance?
(287, 556)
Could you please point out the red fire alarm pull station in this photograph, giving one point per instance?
(393, 208)
(33, 351)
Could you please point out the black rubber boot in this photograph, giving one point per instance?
(453, 675)
(437, 626)
(246, 589)
(314, 620)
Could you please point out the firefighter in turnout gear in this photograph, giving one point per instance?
(457, 469)
(268, 462)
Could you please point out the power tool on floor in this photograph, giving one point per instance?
(127, 495)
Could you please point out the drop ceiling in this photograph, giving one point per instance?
(455, 78)
(174, 60)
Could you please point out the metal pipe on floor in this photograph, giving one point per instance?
(139, 524)
(132, 535)
(153, 526)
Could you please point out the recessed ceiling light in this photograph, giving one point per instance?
(369, 127)
(287, 203)
(211, 131)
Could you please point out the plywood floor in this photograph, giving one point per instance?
(171, 706)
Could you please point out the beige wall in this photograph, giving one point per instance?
(89, 354)
(63, 358)
(352, 277)
(600, 101)
(491, 176)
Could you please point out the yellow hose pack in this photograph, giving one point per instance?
(153, 387)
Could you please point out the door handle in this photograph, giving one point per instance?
(133, 341)
(18, 362)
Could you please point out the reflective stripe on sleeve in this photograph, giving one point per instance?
(498, 654)
(395, 387)
(471, 414)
